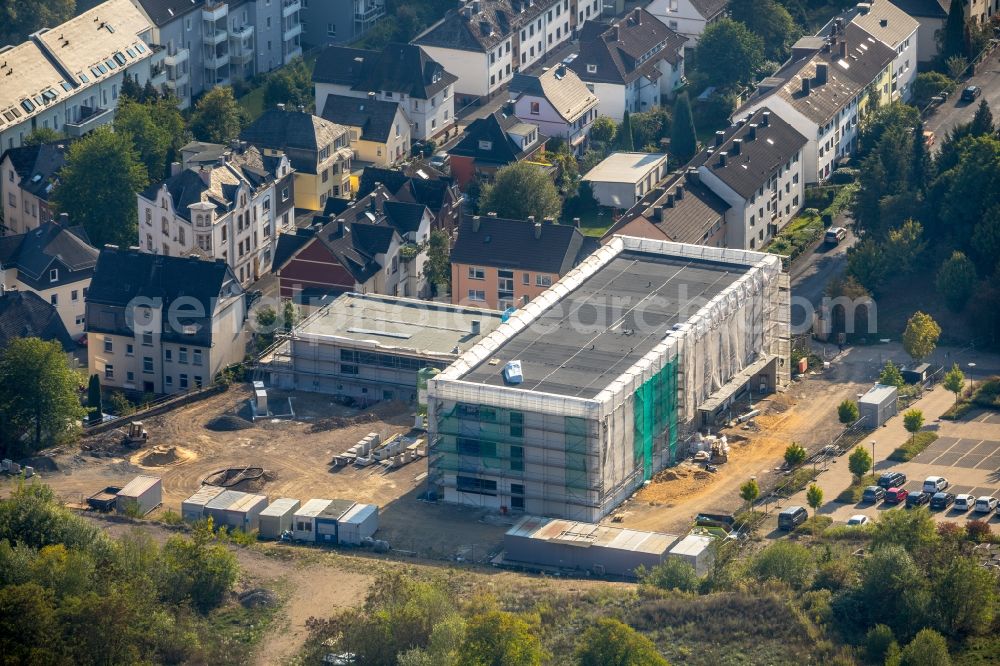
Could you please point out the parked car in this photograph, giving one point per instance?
(792, 517)
(942, 500)
(892, 480)
(916, 498)
(929, 138)
(963, 502)
(857, 520)
(895, 495)
(873, 494)
(440, 160)
(834, 235)
(986, 504)
(971, 93)
(933, 484)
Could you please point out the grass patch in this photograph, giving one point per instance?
(852, 494)
(797, 236)
(987, 394)
(913, 446)
(958, 411)
(593, 224)
(814, 525)
(796, 481)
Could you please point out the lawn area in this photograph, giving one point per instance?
(852, 494)
(253, 101)
(798, 235)
(913, 446)
(592, 224)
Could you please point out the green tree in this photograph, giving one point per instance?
(893, 589)
(625, 139)
(612, 643)
(814, 496)
(770, 21)
(217, 117)
(289, 315)
(520, 190)
(291, 85)
(42, 135)
(30, 629)
(956, 281)
(964, 597)
(787, 561)
(913, 421)
(954, 381)
(683, 139)
(928, 84)
(438, 266)
(496, 638)
(728, 54)
(603, 130)
(197, 569)
(928, 647)
(890, 376)
(847, 412)
(985, 244)
(32, 518)
(904, 245)
(671, 574)
(157, 131)
(859, 462)
(982, 122)
(795, 455)
(877, 643)
(649, 128)
(954, 37)
(921, 336)
(98, 184)
(866, 263)
(94, 397)
(20, 18)
(38, 393)
(920, 162)
(750, 491)
(912, 530)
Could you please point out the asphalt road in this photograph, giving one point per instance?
(954, 111)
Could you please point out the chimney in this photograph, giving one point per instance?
(492, 213)
(670, 200)
(737, 147)
(576, 222)
(342, 228)
(658, 213)
(538, 230)
(371, 96)
(475, 328)
(765, 119)
(548, 220)
(64, 220)
(476, 7)
(722, 160)
(281, 107)
(614, 33)
(531, 218)
(692, 175)
(206, 176)
(637, 15)
(843, 50)
(822, 73)
(720, 136)
(476, 221)
(175, 168)
(752, 132)
(679, 192)
(884, 23)
(806, 86)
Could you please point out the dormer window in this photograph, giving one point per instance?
(54, 275)
(591, 69)
(485, 145)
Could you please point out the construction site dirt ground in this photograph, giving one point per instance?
(191, 443)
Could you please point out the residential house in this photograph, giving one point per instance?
(319, 151)
(688, 17)
(418, 184)
(401, 73)
(484, 42)
(557, 101)
(980, 12)
(339, 21)
(930, 16)
(227, 211)
(24, 314)
(217, 42)
(500, 264)
(68, 77)
(492, 143)
(630, 65)
(756, 167)
(824, 91)
(380, 132)
(54, 261)
(682, 210)
(622, 179)
(27, 176)
(374, 245)
(161, 324)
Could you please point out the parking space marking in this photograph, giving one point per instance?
(948, 443)
(961, 490)
(985, 447)
(969, 454)
(947, 459)
(989, 462)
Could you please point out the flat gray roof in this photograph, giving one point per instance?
(617, 315)
(400, 323)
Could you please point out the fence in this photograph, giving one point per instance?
(155, 407)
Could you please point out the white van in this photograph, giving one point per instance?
(935, 484)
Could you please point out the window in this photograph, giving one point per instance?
(108, 346)
(183, 381)
(592, 69)
(147, 364)
(331, 29)
(149, 217)
(197, 381)
(526, 278)
(169, 381)
(516, 460)
(54, 299)
(475, 295)
(516, 428)
(535, 110)
(54, 275)
(543, 280)
(476, 273)
(180, 235)
(74, 295)
(147, 339)
(348, 369)
(284, 193)
(129, 376)
(196, 356)
(109, 371)
(182, 355)
(168, 355)
(129, 350)
(471, 484)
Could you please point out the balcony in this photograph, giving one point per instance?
(158, 75)
(178, 56)
(216, 63)
(292, 32)
(214, 11)
(214, 37)
(242, 34)
(289, 7)
(90, 119)
(173, 85)
(370, 14)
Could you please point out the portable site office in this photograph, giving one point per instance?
(360, 521)
(235, 509)
(140, 496)
(277, 517)
(193, 508)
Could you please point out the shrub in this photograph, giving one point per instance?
(120, 405)
(913, 447)
(877, 643)
(787, 561)
(795, 455)
(671, 574)
(978, 531)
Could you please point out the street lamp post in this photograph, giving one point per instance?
(873, 455)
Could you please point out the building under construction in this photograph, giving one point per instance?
(617, 363)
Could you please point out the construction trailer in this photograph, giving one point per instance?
(583, 547)
(698, 550)
(193, 508)
(359, 523)
(640, 345)
(327, 521)
(277, 518)
(140, 496)
(304, 520)
(878, 405)
(236, 510)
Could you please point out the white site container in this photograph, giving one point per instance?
(193, 508)
(277, 517)
(878, 405)
(236, 509)
(140, 495)
(359, 522)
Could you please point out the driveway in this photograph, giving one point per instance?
(954, 111)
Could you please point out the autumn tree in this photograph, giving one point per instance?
(750, 491)
(497, 638)
(913, 421)
(921, 336)
(814, 497)
(610, 642)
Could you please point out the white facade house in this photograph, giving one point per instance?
(896, 29)
(225, 211)
(688, 17)
(930, 16)
(557, 101)
(621, 179)
(68, 77)
(756, 168)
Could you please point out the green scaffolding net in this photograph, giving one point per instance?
(655, 418)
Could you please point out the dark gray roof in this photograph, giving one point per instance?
(281, 130)
(762, 150)
(709, 9)
(467, 30)
(38, 166)
(400, 68)
(404, 216)
(375, 117)
(49, 246)
(24, 314)
(493, 128)
(162, 12)
(431, 191)
(353, 244)
(512, 244)
(616, 50)
(687, 219)
(922, 8)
